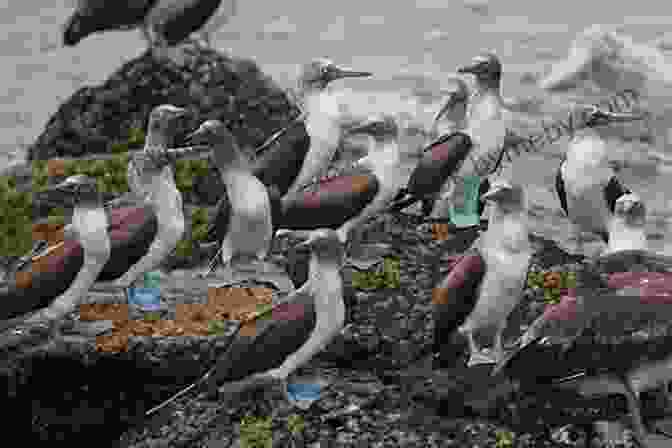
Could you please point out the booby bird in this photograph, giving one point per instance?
(87, 234)
(484, 135)
(345, 202)
(164, 23)
(303, 152)
(585, 182)
(592, 343)
(249, 229)
(626, 227)
(506, 252)
(451, 117)
(313, 315)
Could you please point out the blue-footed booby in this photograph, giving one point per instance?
(88, 235)
(475, 150)
(303, 151)
(345, 202)
(315, 315)
(164, 23)
(506, 252)
(249, 229)
(586, 183)
(602, 341)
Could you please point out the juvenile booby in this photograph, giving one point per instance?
(305, 149)
(626, 227)
(164, 23)
(347, 201)
(585, 182)
(590, 344)
(505, 251)
(455, 154)
(280, 344)
(249, 229)
(87, 234)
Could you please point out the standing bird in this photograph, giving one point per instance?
(313, 316)
(585, 182)
(603, 341)
(345, 202)
(164, 23)
(506, 252)
(306, 147)
(626, 227)
(484, 136)
(87, 234)
(452, 116)
(249, 229)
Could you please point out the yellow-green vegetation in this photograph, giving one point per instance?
(199, 230)
(256, 432)
(216, 327)
(504, 439)
(554, 284)
(136, 139)
(111, 176)
(15, 218)
(152, 316)
(387, 276)
(295, 424)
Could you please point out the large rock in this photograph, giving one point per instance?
(209, 84)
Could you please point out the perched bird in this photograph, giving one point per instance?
(626, 227)
(163, 23)
(249, 227)
(585, 182)
(346, 201)
(506, 252)
(87, 235)
(483, 137)
(602, 341)
(310, 318)
(303, 151)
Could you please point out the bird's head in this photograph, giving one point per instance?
(381, 127)
(73, 191)
(487, 69)
(325, 246)
(631, 208)
(506, 195)
(224, 144)
(318, 73)
(165, 124)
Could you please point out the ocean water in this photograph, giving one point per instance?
(410, 46)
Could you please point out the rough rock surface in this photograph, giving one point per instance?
(209, 84)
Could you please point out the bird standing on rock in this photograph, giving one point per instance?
(302, 151)
(506, 252)
(483, 137)
(346, 201)
(89, 229)
(305, 323)
(249, 228)
(164, 23)
(586, 183)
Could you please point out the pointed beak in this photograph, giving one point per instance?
(55, 195)
(341, 73)
(195, 137)
(565, 75)
(474, 69)
(492, 194)
(622, 117)
(307, 244)
(453, 100)
(364, 127)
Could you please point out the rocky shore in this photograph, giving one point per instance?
(384, 391)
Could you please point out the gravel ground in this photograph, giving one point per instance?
(384, 391)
